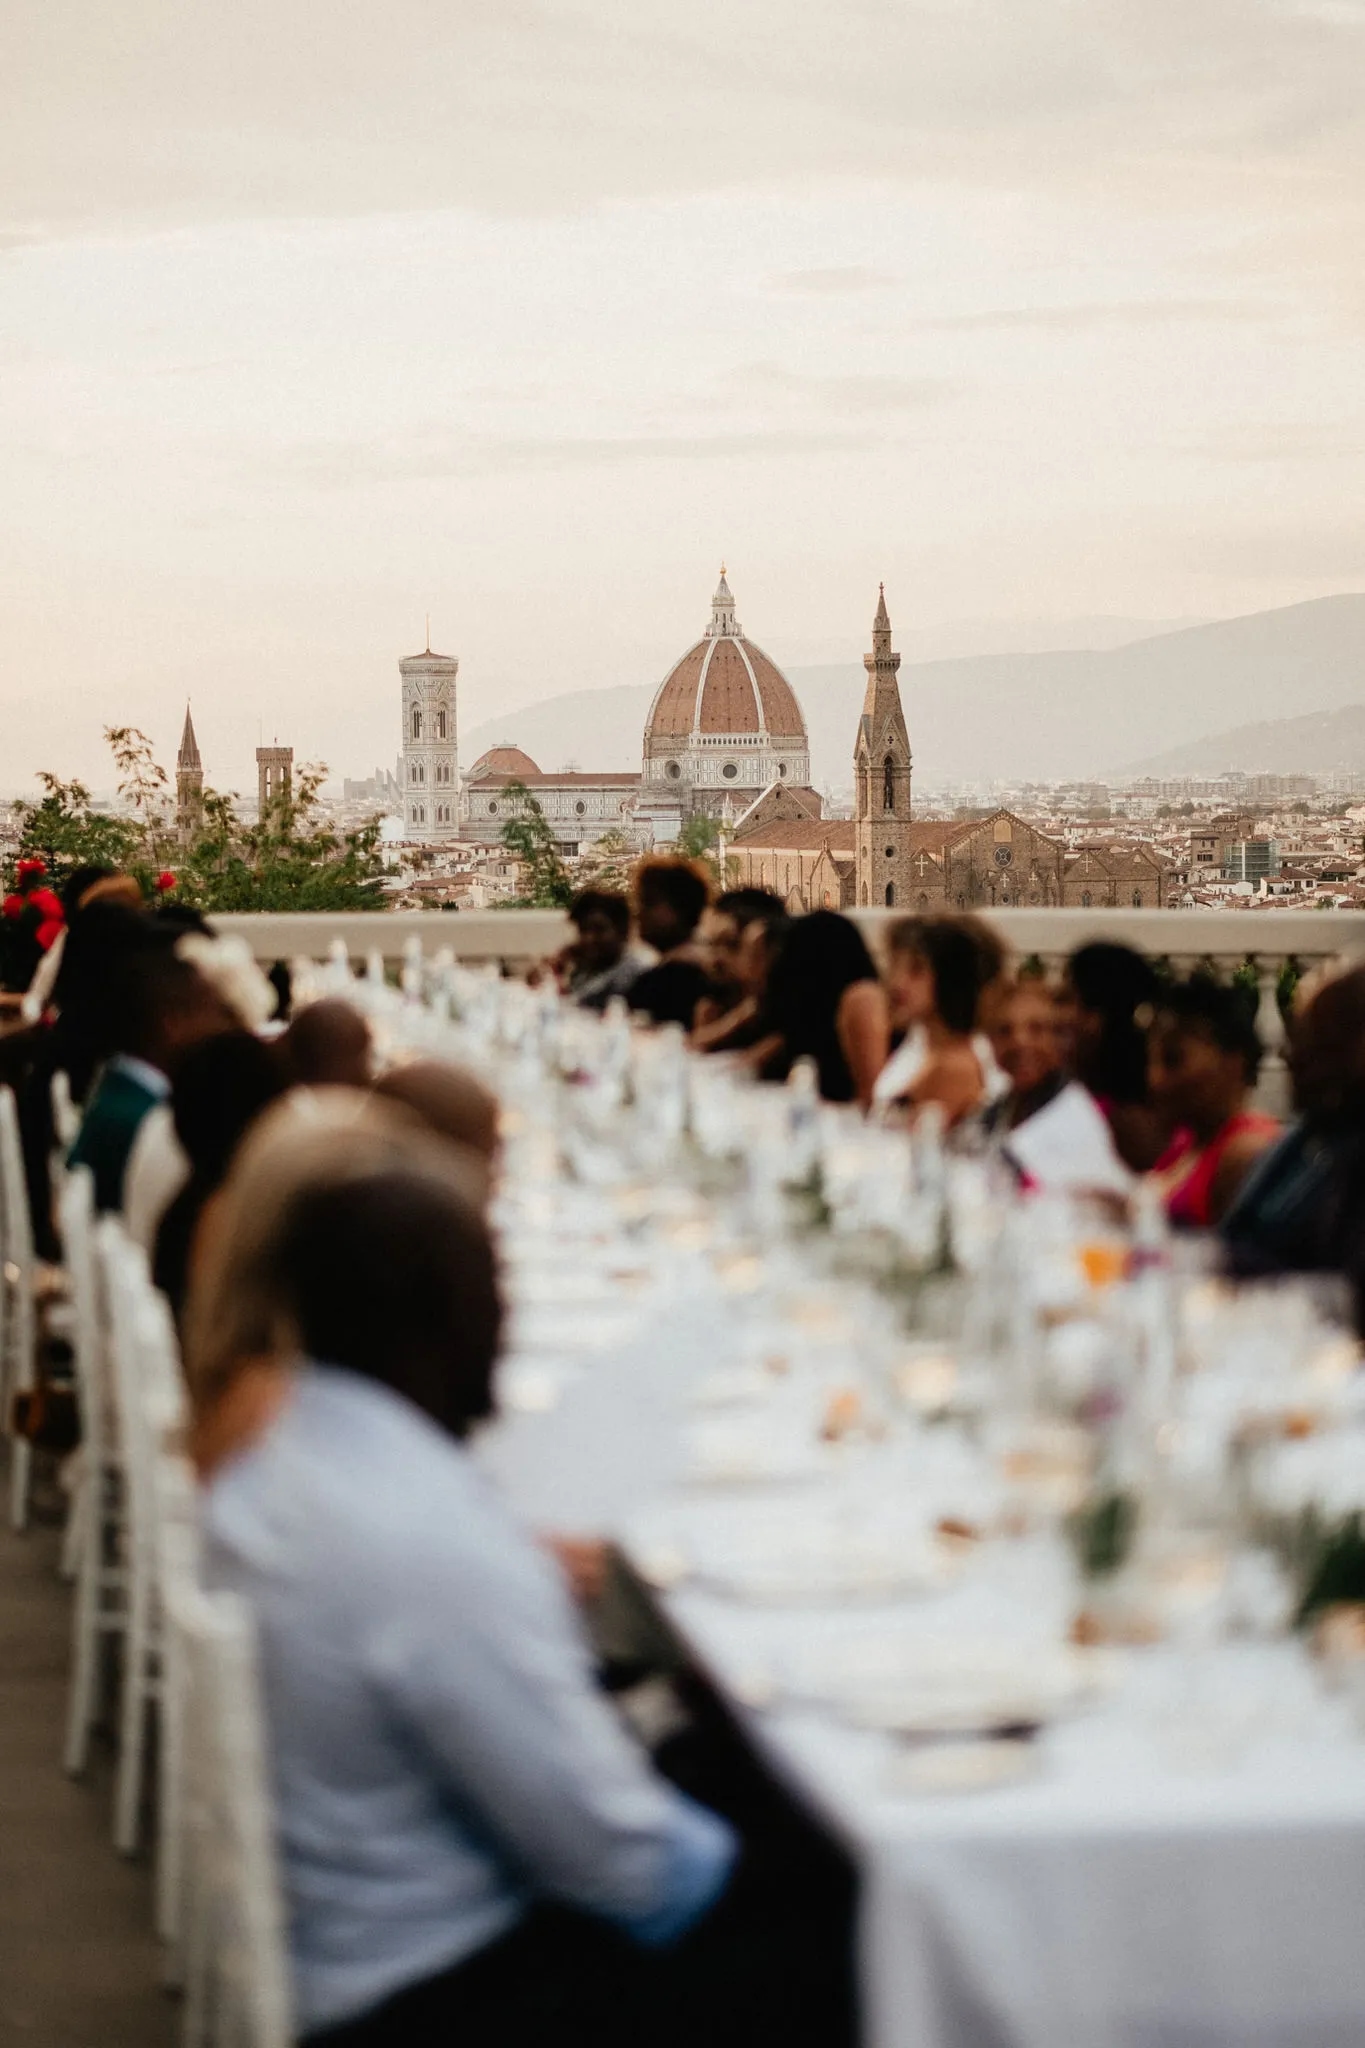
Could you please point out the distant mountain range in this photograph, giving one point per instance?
(1045, 716)
(1310, 745)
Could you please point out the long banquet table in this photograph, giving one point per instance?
(1180, 1870)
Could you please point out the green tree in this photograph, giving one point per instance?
(62, 828)
(145, 788)
(292, 859)
(699, 841)
(608, 861)
(546, 884)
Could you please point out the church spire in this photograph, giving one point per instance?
(881, 773)
(881, 656)
(189, 785)
(188, 757)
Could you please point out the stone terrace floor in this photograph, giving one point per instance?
(79, 1966)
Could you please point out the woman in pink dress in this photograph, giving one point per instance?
(1203, 1058)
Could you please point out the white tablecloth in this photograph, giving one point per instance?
(1127, 1895)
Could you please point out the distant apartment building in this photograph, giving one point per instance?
(1251, 860)
(1211, 838)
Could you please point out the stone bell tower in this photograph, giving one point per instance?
(430, 760)
(881, 777)
(274, 779)
(189, 785)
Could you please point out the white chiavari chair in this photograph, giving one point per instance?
(66, 1118)
(150, 1408)
(66, 1123)
(100, 1606)
(19, 1327)
(236, 1959)
(178, 1554)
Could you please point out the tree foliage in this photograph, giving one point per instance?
(608, 862)
(699, 840)
(291, 859)
(62, 828)
(546, 883)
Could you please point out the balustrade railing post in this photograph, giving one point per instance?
(1273, 1091)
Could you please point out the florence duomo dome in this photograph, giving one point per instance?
(724, 721)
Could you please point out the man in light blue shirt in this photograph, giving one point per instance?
(440, 1754)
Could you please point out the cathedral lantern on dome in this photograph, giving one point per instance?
(724, 723)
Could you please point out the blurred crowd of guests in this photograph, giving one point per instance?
(475, 1844)
(1111, 1075)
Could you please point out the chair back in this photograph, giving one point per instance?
(66, 1118)
(238, 1983)
(149, 1401)
(76, 1216)
(18, 1312)
(16, 1244)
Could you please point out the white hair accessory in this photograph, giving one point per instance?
(229, 964)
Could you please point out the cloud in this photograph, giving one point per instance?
(162, 112)
(1081, 319)
(1315, 441)
(834, 283)
(339, 465)
(855, 392)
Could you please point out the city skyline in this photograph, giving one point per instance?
(528, 317)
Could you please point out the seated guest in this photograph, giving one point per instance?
(1107, 1001)
(911, 993)
(158, 1008)
(740, 931)
(1302, 1205)
(31, 919)
(1048, 1128)
(825, 1003)
(220, 1089)
(1203, 1058)
(328, 1045)
(670, 896)
(599, 963)
(447, 1779)
(70, 1035)
(722, 933)
(99, 937)
(82, 887)
(157, 1166)
(454, 1105)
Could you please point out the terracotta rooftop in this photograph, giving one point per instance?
(801, 835)
(509, 763)
(575, 778)
(725, 685)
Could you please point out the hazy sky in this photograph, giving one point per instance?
(314, 319)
